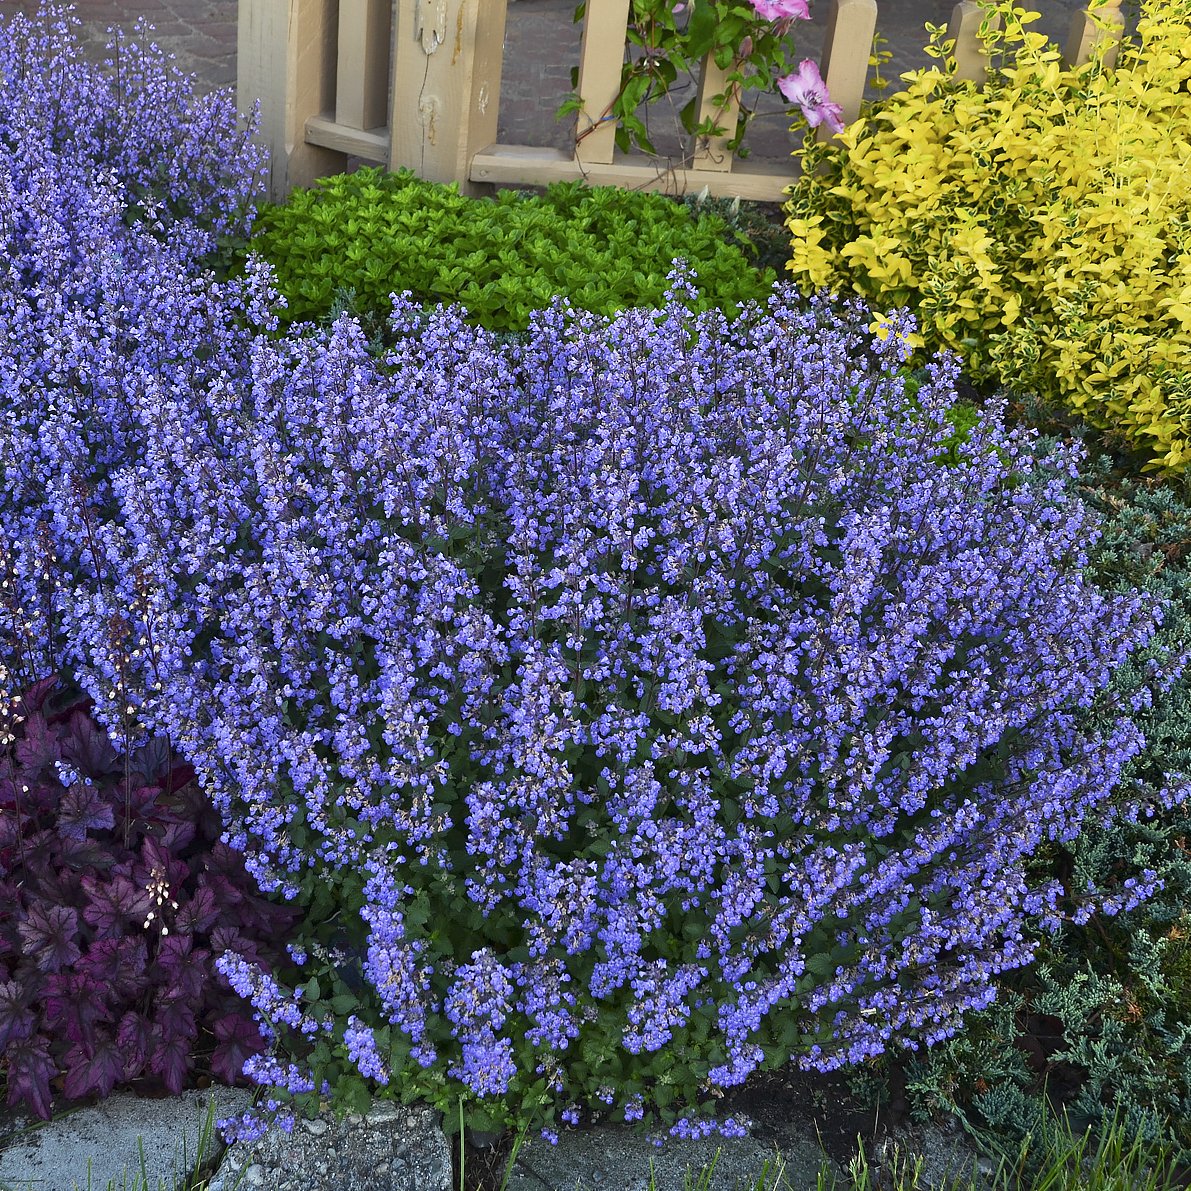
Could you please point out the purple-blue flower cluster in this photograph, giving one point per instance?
(656, 653)
(116, 184)
(628, 706)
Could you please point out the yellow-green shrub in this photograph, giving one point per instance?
(1039, 225)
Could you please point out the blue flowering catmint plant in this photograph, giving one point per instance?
(628, 709)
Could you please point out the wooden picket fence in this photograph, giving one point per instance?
(416, 83)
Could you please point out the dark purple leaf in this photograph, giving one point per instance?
(171, 1060)
(134, 961)
(87, 747)
(135, 1039)
(82, 810)
(193, 806)
(38, 748)
(229, 938)
(200, 913)
(49, 936)
(16, 1018)
(180, 776)
(30, 1070)
(226, 862)
(113, 904)
(34, 983)
(152, 758)
(74, 1004)
(29, 795)
(117, 964)
(174, 1017)
(78, 854)
(135, 805)
(226, 894)
(239, 1040)
(175, 837)
(12, 825)
(269, 920)
(185, 969)
(34, 698)
(93, 1069)
(55, 885)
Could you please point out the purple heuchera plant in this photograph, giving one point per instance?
(116, 897)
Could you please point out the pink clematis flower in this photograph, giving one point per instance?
(782, 10)
(806, 89)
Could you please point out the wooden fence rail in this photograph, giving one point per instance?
(416, 83)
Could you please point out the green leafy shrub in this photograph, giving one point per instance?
(368, 234)
(1115, 993)
(1039, 225)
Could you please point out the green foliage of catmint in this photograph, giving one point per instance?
(352, 240)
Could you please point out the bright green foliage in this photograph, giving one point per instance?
(1039, 225)
(365, 235)
(1119, 987)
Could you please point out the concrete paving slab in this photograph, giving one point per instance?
(393, 1148)
(609, 1158)
(104, 1143)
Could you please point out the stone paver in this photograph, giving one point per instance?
(90, 1146)
(613, 1159)
(393, 1148)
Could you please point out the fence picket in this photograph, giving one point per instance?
(971, 55)
(711, 153)
(1088, 32)
(846, 53)
(601, 56)
(446, 86)
(362, 77)
(286, 57)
